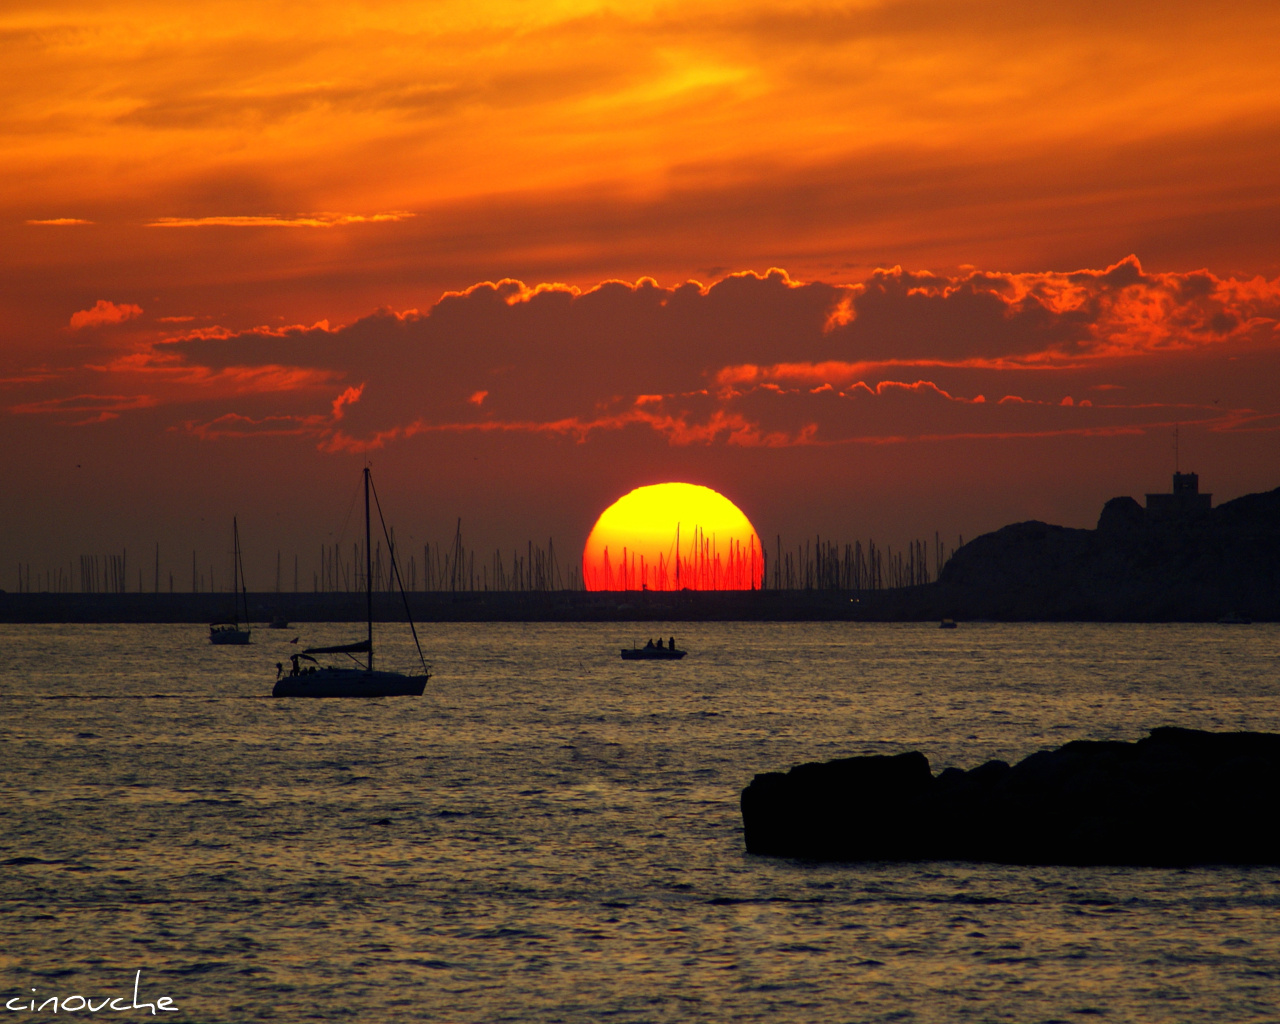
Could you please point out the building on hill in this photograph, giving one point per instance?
(1185, 502)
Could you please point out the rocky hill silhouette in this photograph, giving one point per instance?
(1166, 562)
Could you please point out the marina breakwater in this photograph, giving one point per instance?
(906, 604)
(929, 602)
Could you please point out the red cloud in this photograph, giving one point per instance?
(677, 429)
(1057, 317)
(102, 407)
(104, 312)
(233, 425)
(156, 364)
(346, 398)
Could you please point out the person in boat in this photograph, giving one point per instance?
(673, 643)
(649, 645)
(279, 671)
(296, 671)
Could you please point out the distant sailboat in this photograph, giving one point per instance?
(358, 680)
(228, 631)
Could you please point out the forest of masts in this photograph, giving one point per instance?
(453, 567)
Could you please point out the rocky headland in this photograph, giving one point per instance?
(1193, 565)
(1177, 797)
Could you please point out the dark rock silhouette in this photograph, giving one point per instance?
(1138, 565)
(1177, 797)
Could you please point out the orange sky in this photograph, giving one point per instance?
(181, 183)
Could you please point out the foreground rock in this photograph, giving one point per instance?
(1177, 797)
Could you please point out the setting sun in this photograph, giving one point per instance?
(672, 536)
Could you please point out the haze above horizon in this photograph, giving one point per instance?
(524, 259)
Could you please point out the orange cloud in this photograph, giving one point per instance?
(315, 220)
(677, 429)
(347, 397)
(237, 426)
(268, 378)
(104, 312)
(1029, 321)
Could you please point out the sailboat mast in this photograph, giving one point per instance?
(244, 585)
(235, 574)
(368, 567)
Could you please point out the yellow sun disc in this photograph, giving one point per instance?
(670, 537)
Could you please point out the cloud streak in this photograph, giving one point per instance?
(314, 220)
(102, 408)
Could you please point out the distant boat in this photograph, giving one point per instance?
(278, 622)
(1234, 619)
(947, 624)
(357, 680)
(228, 631)
(653, 653)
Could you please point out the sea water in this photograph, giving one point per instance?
(552, 834)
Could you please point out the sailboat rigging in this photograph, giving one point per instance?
(229, 631)
(360, 680)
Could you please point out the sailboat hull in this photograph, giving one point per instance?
(349, 682)
(354, 682)
(228, 635)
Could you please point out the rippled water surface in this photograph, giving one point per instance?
(552, 834)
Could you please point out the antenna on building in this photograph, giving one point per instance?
(1177, 467)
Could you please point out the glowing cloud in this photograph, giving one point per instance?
(104, 312)
(102, 408)
(314, 220)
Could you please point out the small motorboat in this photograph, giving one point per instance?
(652, 652)
(947, 624)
